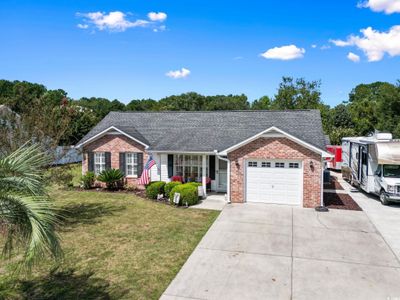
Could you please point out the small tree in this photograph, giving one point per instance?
(27, 217)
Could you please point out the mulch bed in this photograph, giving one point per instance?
(333, 185)
(340, 201)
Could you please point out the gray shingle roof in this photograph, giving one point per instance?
(211, 130)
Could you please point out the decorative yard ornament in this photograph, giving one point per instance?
(177, 198)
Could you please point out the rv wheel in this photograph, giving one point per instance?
(383, 198)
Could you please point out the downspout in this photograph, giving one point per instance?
(322, 208)
(322, 181)
(228, 171)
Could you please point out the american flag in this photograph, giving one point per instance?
(145, 178)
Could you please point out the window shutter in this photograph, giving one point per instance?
(140, 163)
(211, 161)
(108, 160)
(122, 163)
(170, 165)
(90, 161)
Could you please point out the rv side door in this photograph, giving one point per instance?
(378, 179)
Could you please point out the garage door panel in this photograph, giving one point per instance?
(274, 185)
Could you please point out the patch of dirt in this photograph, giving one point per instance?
(333, 185)
(340, 201)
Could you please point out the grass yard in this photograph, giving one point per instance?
(116, 246)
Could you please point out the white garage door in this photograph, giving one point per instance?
(274, 181)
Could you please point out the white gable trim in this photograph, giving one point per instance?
(106, 131)
(275, 130)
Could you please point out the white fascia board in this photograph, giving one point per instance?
(181, 152)
(104, 132)
(323, 153)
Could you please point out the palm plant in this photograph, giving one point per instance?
(27, 217)
(111, 177)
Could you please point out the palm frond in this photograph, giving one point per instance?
(22, 170)
(30, 222)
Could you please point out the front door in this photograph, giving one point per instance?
(221, 175)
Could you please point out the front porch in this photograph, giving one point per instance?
(210, 170)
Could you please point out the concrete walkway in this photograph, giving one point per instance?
(260, 251)
(385, 218)
(214, 201)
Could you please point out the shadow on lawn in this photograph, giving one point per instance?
(87, 213)
(68, 285)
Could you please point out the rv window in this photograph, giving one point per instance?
(364, 158)
(391, 171)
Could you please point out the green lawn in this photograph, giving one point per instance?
(116, 245)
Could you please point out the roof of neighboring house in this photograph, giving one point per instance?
(207, 131)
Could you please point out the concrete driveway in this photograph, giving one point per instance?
(385, 218)
(260, 251)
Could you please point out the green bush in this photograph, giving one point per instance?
(87, 180)
(196, 184)
(155, 188)
(169, 186)
(112, 178)
(189, 194)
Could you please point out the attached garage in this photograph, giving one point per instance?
(274, 181)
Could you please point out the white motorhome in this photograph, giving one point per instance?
(373, 164)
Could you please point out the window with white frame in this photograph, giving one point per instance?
(131, 164)
(279, 165)
(294, 165)
(99, 162)
(190, 167)
(266, 164)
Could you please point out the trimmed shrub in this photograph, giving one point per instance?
(87, 180)
(196, 184)
(188, 193)
(112, 178)
(169, 186)
(154, 188)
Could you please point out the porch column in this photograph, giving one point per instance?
(204, 174)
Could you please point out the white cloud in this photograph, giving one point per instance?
(182, 73)
(157, 16)
(113, 21)
(313, 46)
(284, 53)
(353, 57)
(387, 6)
(325, 47)
(340, 43)
(118, 21)
(83, 26)
(160, 28)
(373, 43)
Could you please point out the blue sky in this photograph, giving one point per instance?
(219, 42)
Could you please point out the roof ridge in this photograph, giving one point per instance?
(215, 111)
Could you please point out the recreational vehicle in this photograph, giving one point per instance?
(373, 164)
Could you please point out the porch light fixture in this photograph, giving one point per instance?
(311, 165)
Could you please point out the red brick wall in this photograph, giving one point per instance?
(113, 144)
(277, 148)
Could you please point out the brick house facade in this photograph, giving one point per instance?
(114, 144)
(216, 149)
(277, 148)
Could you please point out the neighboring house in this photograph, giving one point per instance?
(253, 156)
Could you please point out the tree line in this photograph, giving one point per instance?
(53, 115)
